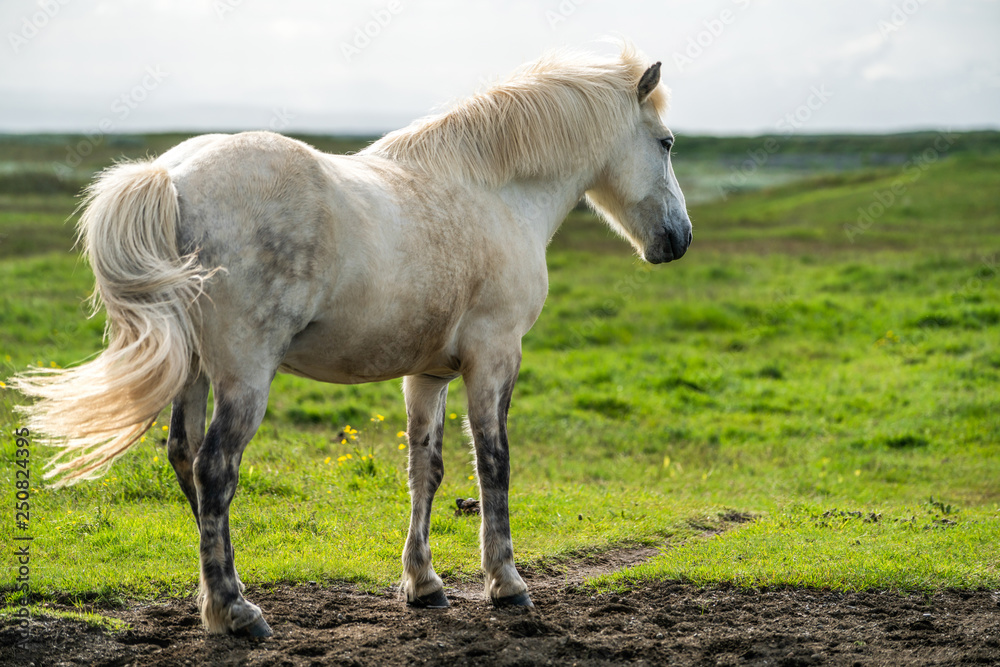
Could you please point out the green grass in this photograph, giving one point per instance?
(780, 369)
(804, 546)
(97, 621)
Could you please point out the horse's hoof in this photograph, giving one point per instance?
(517, 600)
(259, 629)
(435, 600)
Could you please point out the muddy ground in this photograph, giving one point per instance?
(659, 624)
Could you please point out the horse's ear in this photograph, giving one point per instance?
(649, 81)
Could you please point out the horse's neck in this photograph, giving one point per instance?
(543, 204)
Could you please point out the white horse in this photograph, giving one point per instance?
(233, 257)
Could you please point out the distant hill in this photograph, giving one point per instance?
(64, 163)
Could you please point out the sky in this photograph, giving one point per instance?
(733, 66)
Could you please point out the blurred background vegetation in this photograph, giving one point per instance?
(830, 343)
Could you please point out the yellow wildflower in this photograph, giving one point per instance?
(400, 434)
(402, 446)
(453, 416)
(326, 460)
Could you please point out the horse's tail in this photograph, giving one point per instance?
(95, 411)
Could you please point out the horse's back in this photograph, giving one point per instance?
(345, 269)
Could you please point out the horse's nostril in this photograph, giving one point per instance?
(690, 237)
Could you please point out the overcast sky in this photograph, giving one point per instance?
(734, 66)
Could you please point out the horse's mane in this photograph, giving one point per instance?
(548, 119)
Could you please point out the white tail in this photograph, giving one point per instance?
(96, 411)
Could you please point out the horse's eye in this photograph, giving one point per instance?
(667, 143)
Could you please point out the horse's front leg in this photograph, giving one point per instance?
(238, 413)
(490, 386)
(425, 407)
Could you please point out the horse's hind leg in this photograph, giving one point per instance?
(239, 409)
(187, 432)
(490, 383)
(425, 406)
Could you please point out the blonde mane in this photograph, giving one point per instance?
(549, 119)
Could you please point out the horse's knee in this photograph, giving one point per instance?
(434, 474)
(216, 478)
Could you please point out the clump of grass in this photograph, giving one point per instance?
(609, 406)
(771, 372)
(108, 624)
(101, 520)
(906, 441)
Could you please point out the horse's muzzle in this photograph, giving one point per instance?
(669, 245)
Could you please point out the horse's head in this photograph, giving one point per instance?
(637, 190)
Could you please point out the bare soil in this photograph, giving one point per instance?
(657, 624)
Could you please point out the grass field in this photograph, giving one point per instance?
(833, 375)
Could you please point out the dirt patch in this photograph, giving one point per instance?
(656, 624)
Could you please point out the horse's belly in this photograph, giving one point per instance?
(349, 355)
